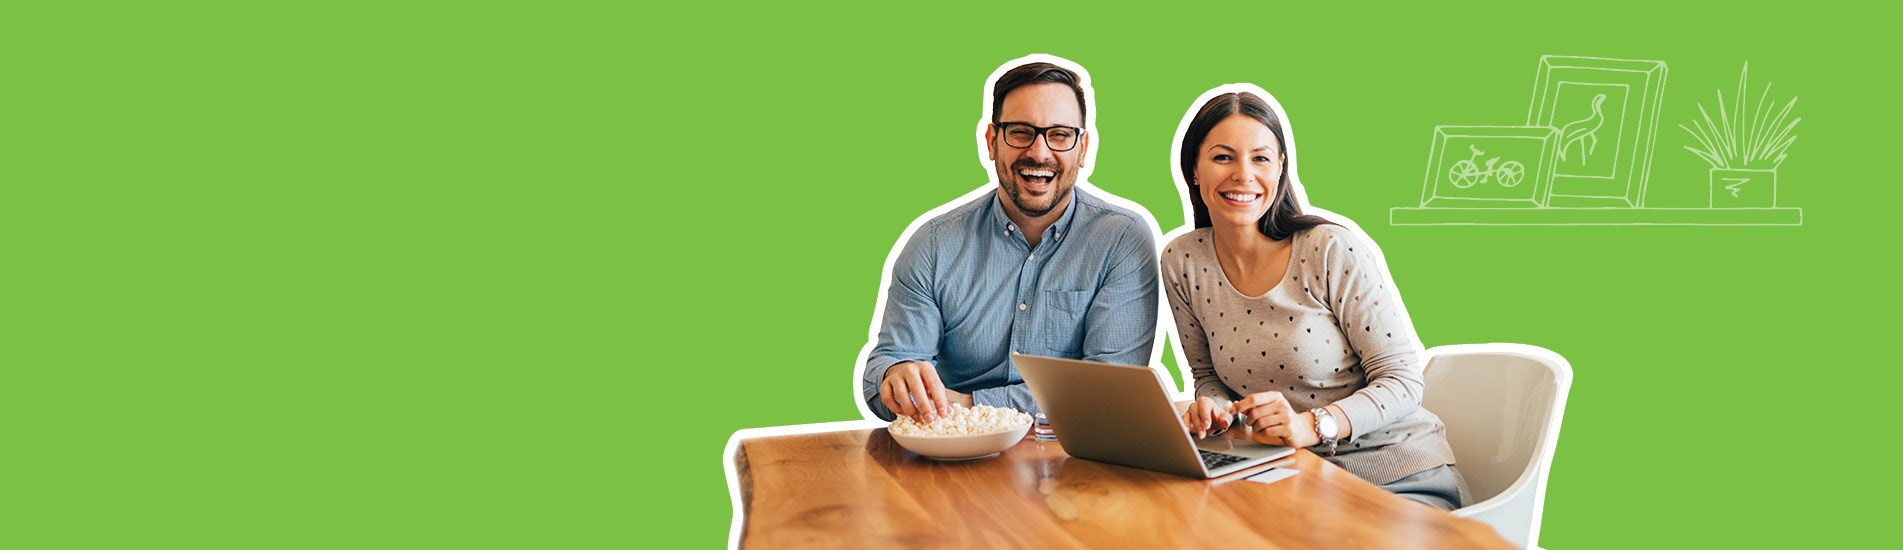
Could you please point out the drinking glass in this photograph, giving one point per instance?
(1041, 428)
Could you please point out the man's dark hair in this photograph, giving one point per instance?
(1036, 73)
(1285, 216)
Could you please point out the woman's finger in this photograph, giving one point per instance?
(1212, 418)
(1246, 404)
(1193, 417)
(1273, 418)
(1249, 407)
(1279, 431)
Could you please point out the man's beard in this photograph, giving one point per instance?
(1060, 186)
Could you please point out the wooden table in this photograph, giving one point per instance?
(859, 488)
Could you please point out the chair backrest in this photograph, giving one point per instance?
(1502, 404)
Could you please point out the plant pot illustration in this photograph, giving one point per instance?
(1733, 188)
(1744, 144)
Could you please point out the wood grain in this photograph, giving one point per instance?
(860, 489)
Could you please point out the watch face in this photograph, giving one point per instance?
(1325, 425)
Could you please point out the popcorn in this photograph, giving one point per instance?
(979, 420)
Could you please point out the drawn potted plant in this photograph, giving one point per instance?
(1744, 146)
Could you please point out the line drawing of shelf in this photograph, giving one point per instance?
(1596, 216)
(1605, 112)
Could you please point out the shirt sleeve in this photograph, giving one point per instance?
(1015, 396)
(1378, 331)
(912, 326)
(1189, 329)
(1120, 324)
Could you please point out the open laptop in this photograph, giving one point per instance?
(1122, 415)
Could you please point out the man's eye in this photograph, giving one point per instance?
(1020, 133)
(1060, 134)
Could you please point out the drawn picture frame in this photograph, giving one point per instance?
(1606, 113)
(1489, 167)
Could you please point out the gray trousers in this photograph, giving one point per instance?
(1440, 487)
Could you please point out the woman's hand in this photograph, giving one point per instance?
(1275, 422)
(1205, 414)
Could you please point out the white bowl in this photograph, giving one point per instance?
(963, 447)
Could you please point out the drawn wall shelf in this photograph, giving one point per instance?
(1584, 158)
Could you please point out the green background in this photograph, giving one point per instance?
(473, 275)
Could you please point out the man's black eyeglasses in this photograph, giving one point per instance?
(1021, 135)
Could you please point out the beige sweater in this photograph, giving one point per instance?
(1329, 333)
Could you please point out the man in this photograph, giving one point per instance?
(1037, 265)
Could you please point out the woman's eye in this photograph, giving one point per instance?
(1262, 159)
(1221, 157)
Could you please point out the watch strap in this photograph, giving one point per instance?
(1331, 440)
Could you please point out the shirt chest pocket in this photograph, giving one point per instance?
(1063, 329)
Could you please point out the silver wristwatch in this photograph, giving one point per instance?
(1326, 428)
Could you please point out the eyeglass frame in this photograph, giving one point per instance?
(1042, 132)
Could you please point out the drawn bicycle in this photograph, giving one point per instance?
(1466, 173)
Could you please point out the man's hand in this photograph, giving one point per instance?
(912, 389)
(1275, 422)
(1204, 414)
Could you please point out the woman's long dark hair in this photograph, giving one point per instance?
(1285, 216)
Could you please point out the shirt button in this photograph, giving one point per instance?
(1021, 307)
(1033, 256)
(1057, 235)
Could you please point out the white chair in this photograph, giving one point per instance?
(1502, 405)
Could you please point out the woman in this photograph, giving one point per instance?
(1286, 319)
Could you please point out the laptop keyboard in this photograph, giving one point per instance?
(1213, 460)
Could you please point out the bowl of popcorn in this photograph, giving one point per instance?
(965, 434)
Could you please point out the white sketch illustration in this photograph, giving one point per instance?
(1485, 167)
(1587, 147)
(1463, 173)
(1744, 151)
(1566, 95)
(1584, 132)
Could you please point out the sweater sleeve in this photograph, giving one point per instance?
(1378, 331)
(1189, 329)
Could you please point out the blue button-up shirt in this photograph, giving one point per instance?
(968, 290)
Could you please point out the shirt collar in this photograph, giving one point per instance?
(1056, 230)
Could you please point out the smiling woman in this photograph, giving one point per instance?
(1242, 115)
(1288, 320)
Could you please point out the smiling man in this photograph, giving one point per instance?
(1039, 264)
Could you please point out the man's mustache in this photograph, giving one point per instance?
(1034, 165)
